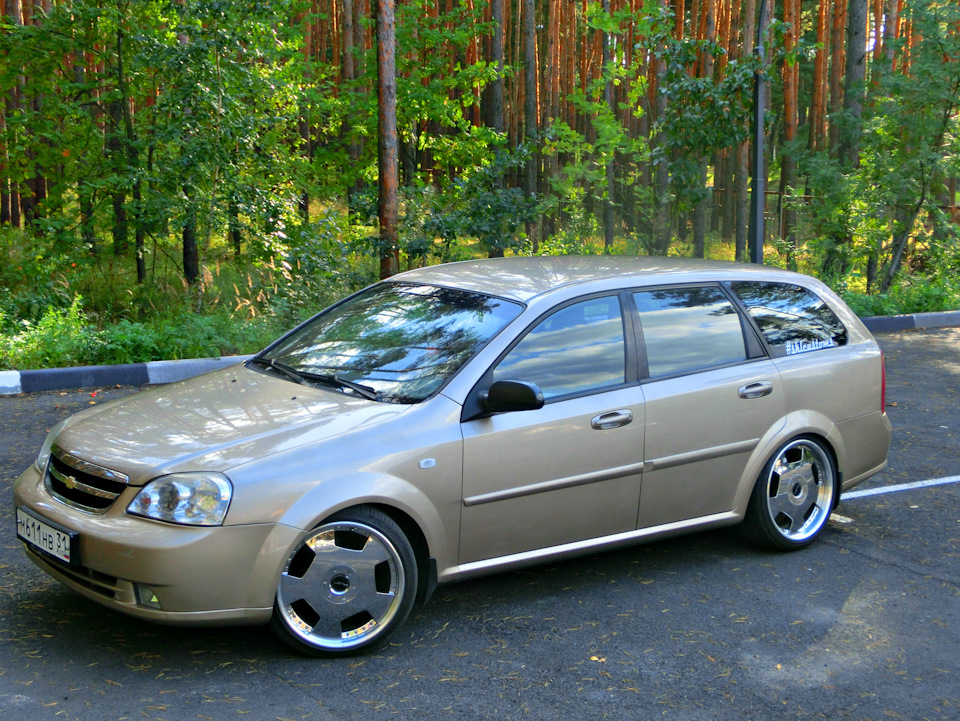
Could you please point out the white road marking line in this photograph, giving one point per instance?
(900, 487)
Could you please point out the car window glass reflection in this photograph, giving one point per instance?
(792, 319)
(579, 348)
(688, 329)
(404, 341)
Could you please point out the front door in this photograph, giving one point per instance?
(569, 471)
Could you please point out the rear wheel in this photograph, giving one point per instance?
(793, 497)
(347, 585)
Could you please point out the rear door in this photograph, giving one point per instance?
(711, 396)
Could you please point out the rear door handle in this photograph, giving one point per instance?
(613, 419)
(756, 390)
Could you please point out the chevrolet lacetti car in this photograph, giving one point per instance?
(458, 420)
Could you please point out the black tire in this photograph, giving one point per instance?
(793, 497)
(347, 585)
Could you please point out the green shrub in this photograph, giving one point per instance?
(61, 337)
(910, 295)
(64, 337)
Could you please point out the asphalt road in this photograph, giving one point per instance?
(865, 624)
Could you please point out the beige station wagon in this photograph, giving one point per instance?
(460, 420)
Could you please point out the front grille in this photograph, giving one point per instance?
(82, 484)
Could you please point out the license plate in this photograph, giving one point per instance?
(47, 537)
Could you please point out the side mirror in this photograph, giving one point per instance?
(510, 395)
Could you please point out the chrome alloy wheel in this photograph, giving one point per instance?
(799, 490)
(346, 585)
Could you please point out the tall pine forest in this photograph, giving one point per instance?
(192, 156)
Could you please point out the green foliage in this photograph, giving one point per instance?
(63, 337)
(704, 114)
(911, 295)
(60, 336)
(311, 269)
(427, 228)
(484, 207)
(30, 279)
(577, 228)
(862, 217)
(216, 100)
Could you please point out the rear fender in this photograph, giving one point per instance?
(797, 423)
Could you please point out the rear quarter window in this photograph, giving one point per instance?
(793, 319)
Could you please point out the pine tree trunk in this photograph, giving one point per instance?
(743, 149)
(494, 113)
(191, 255)
(113, 147)
(836, 70)
(4, 176)
(816, 125)
(661, 181)
(709, 30)
(608, 99)
(34, 190)
(891, 20)
(387, 138)
(8, 9)
(530, 107)
(13, 12)
(349, 59)
(853, 90)
(788, 165)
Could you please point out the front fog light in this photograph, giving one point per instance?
(193, 499)
(146, 597)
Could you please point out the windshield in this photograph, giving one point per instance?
(402, 341)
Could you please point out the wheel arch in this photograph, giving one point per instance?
(428, 528)
(791, 519)
(794, 425)
(426, 564)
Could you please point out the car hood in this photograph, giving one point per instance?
(214, 422)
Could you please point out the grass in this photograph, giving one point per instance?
(59, 311)
(910, 295)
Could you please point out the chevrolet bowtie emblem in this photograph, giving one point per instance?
(70, 482)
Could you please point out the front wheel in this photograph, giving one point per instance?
(347, 585)
(793, 497)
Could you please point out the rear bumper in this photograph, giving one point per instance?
(866, 443)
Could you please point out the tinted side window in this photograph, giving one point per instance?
(579, 348)
(793, 319)
(688, 329)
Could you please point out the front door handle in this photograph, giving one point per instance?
(756, 390)
(613, 419)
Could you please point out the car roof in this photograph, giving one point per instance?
(524, 277)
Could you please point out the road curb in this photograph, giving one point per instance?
(888, 323)
(133, 374)
(137, 374)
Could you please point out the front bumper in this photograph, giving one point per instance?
(197, 575)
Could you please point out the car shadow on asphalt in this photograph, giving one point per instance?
(79, 626)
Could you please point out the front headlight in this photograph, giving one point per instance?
(44, 457)
(194, 499)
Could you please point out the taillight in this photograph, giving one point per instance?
(883, 384)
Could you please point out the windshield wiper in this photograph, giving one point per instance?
(279, 368)
(358, 388)
(332, 380)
